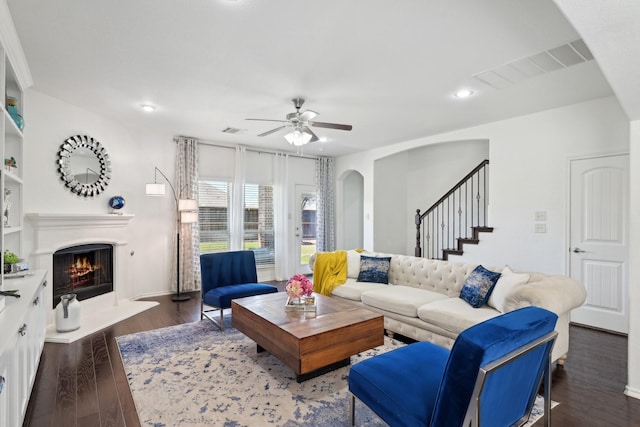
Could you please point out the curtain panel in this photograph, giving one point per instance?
(237, 200)
(281, 209)
(187, 188)
(325, 205)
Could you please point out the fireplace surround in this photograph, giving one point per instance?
(58, 232)
(85, 270)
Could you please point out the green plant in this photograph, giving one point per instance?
(10, 257)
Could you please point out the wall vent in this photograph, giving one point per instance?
(233, 130)
(547, 61)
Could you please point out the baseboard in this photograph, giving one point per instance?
(632, 392)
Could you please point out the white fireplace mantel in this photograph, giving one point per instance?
(54, 231)
(57, 220)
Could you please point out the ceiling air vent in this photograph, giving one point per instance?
(233, 130)
(547, 61)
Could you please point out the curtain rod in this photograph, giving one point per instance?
(248, 148)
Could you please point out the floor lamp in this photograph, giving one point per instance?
(186, 213)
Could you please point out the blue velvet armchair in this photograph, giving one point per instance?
(490, 377)
(226, 276)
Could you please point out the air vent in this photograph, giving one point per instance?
(550, 60)
(233, 130)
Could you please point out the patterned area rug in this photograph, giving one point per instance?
(195, 375)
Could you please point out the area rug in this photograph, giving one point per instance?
(196, 375)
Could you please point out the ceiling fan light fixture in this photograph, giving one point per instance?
(298, 137)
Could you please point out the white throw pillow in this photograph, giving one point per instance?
(353, 264)
(507, 282)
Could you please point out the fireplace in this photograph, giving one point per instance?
(84, 270)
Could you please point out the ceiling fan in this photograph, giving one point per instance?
(299, 123)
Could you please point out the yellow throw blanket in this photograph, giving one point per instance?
(329, 271)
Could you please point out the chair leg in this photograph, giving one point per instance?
(218, 323)
(547, 393)
(352, 410)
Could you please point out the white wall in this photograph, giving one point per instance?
(133, 153)
(529, 159)
(389, 201)
(353, 212)
(633, 384)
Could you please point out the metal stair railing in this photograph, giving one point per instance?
(456, 218)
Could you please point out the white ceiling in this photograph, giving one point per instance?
(389, 68)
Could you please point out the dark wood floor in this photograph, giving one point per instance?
(83, 384)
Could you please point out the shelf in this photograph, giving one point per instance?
(12, 177)
(11, 128)
(10, 230)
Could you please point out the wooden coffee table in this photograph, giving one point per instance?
(310, 343)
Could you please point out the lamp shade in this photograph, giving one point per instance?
(187, 205)
(154, 189)
(188, 217)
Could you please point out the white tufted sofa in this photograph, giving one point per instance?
(422, 300)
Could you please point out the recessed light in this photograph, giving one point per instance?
(148, 108)
(463, 93)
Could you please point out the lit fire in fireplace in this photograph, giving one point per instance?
(82, 271)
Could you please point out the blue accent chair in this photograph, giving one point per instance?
(490, 377)
(226, 276)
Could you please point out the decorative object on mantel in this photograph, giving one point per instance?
(186, 213)
(68, 313)
(299, 290)
(12, 109)
(7, 205)
(116, 203)
(84, 165)
(9, 259)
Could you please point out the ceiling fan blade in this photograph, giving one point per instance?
(269, 132)
(314, 137)
(308, 115)
(331, 125)
(268, 120)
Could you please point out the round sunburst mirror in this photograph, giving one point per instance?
(84, 165)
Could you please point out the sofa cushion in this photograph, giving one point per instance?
(353, 290)
(222, 296)
(507, 282)
(454, 314)
(400, 299)
(478, 286)
(353, 264)
(374, 269)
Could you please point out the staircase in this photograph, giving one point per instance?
(456, 219)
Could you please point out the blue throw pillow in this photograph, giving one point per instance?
(373, 269)
(478, 286)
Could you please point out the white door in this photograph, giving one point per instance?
(305, 224)
(599, 240)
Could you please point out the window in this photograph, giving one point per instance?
(258, 222)
(214, 201)
(214, 219)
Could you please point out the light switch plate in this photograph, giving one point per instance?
(541, 215)
(541, 228)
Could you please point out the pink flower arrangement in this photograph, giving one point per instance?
(299, 286)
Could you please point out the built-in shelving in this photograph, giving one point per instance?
(23, 320)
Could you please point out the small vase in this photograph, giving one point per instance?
(68, 313)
